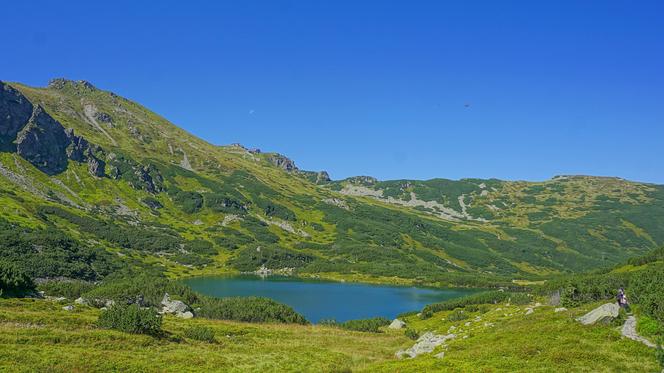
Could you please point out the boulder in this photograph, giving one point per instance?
(185, 315)
(175, 307)
(397, 324)
(81, 301)
(529, 311)
(602, 314)
(68, 308)
(560, 309)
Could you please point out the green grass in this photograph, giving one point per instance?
(39, 335)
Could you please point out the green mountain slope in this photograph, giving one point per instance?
(91, 182)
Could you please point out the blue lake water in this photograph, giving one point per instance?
(318, 300)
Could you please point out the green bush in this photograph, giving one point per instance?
(70, 289)
(649, 327)
(361, 325)
(365, 325)
(131, 319)
(14, 281)
(520, 298)
(249, 309)
(200, 333)
(488, 297)
(412, 334)
(457, 315)
(660, 352)
(646, 290)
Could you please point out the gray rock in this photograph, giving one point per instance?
(602, 314)
(15, 111)
(68, 308)
(283, 162)
(186, 315)
(43, 143)
(397, 324)
(81, 301)
(173, 306)
(96, 167)
(560, 309)
(529, 311)
(424, 345)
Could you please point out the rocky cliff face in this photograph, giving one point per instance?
(15, 111)
(283, 162)
(38, 138)
(43, 142)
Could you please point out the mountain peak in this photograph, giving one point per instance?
(60, 83)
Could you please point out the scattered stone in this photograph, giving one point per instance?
(467, 324)
(397, 324)
(439, 355)
(81, 301)
(186, 315)
(529, 311)
(68, 308)
(602, 314)
(560, 309)
(424, 345)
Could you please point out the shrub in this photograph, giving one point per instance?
(200, 333)
(130, 319)
(648, 326)
(14, 281)
(361, 325)
(660, 352)
(249, 309)
(457, 315)
(520, 298)
(412, 334)
(645, 289)
(488, 297)
(365, 325)
(71, 289)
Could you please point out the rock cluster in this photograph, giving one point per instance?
(282, 162)
(424, 345)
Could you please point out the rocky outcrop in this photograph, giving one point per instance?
(362, 180)
(397, 324)
(323, 177)
(602, 314)
(15, 111)
(425, 344)
(175, 307)
(39, 138)
(43, 142)
(282, 162)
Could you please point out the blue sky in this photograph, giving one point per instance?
(394, 89)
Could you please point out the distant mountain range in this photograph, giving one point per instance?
(117, 180)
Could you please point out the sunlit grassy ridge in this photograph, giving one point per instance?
(232, 209)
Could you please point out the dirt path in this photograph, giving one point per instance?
(629, 331)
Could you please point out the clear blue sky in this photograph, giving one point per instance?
(376, 87)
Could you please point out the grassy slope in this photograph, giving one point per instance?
(566, 224)
(39, 335)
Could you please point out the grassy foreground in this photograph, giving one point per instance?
(38, 335)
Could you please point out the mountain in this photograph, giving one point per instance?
(91, 182)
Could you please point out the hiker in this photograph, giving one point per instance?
(622, 299)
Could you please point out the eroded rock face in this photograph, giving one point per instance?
(15, 112)
(283, 162)
(43, 143)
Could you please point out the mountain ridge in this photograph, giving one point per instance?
(217, 209)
